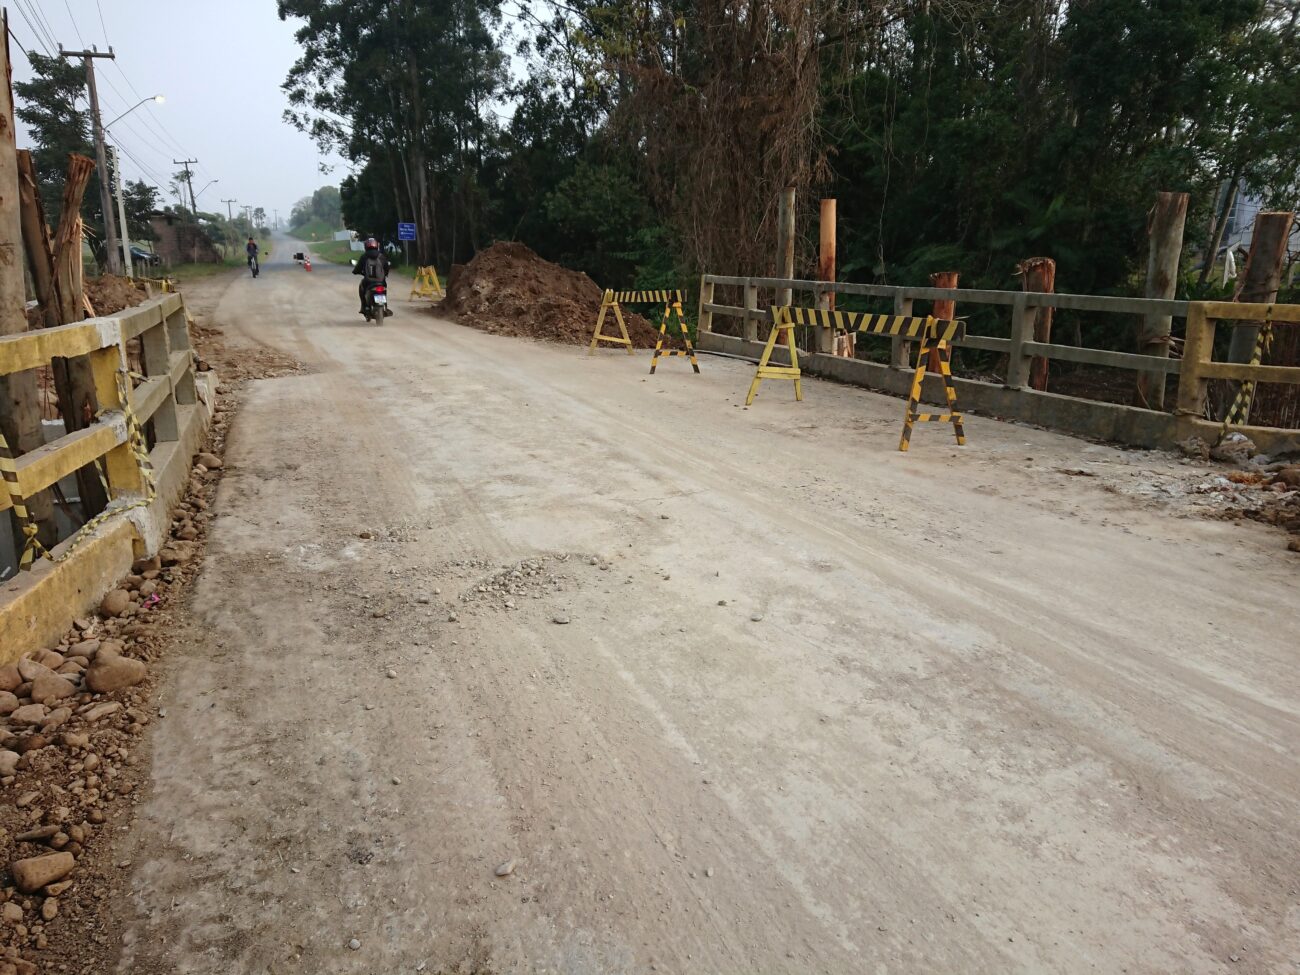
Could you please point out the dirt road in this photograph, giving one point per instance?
(764, 695)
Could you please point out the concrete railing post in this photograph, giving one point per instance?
(751, 311)
(156, 356)
(1022, 330)
(899, 349)
(704, 322)
(1198, 351)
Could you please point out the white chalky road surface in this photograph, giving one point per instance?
(960, 712)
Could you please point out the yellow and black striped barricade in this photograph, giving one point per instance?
(933, 333)
(672, 302)
(426, 284)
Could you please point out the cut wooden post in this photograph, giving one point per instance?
(73, 379)
(1038, 276)
(1261, 276)
(1165, 229)
(944, 309)
(785, 245)
(36, 240)
(20, 402)
(1260, 280)
(827, 340)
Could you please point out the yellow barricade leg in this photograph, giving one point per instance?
(622, 327)
(913, 414)
(1239, 411)
(659, 343)
(781, 326)
(674, 307)
(599, 336)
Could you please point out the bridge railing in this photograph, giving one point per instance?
(1014, 398)
(166, 397)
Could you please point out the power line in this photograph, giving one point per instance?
(44, 22)
(157, 127)
(68, 8)
(18, 42)
(101, 22)
(34, 26)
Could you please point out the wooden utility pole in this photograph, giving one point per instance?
(1038, 276)
(829, 340)
(20, 405)
(189, 181)
(101, 154)
(944, 308)
(1165, 226)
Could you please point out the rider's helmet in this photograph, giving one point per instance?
(372, 244)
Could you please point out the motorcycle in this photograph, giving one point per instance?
(253, 265)
(377, 302)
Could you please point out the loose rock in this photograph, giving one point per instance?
(33, 873)
(8, 702)
(112, 673)
(8, 763)
(506, 869)
(115, 603)
(50, 687)
(28, 714)
(211, 461)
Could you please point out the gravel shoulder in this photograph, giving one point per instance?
(735, 690)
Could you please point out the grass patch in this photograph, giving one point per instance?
(315, 231)
(334, 251)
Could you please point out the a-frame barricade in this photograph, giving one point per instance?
(934, 334)
(608, 302)
(426, 284)
(672, 302)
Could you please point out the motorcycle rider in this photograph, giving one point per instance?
(251, 250)
(373, 268)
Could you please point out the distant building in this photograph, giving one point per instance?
(181, 242)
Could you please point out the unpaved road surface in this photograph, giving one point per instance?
(818, 706)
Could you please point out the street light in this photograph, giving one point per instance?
(154, 98)
(200, 192)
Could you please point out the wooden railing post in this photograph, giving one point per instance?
(1022, 330)
(899, 349)
(1198, 350)
(705, 318)
(751, 311)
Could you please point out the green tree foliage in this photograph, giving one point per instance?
(649, 141)
(47, 105)
(141, 201)
(406, 87)
(324, 205)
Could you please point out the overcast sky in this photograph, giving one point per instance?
(218, 63)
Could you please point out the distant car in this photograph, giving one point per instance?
(141, 256)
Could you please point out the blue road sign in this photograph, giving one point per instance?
(406, 231)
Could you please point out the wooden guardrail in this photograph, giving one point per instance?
(167, 364)
(39, 604)
(1128, 424)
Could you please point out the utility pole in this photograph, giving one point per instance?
(20, 408)
(189, 181)
(230, 216)
(277, 218)
(121, 214)
(101, 155)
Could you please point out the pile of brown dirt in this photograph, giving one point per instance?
(509, 290)
(109, 293)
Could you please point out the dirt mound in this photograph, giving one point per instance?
(109, 294)
(508, 289)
